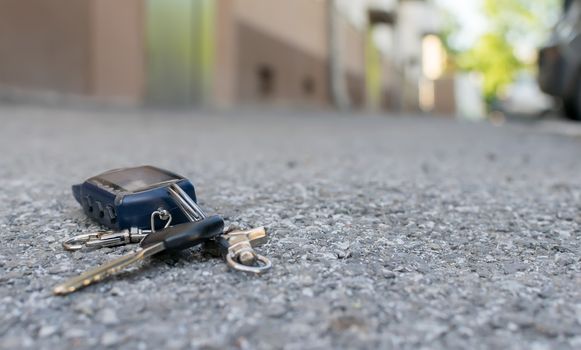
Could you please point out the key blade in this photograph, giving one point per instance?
(99, 273)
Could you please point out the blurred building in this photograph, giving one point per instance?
(81, 48)
(225, 52)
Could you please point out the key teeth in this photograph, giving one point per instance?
(62, 290)
(59, 290)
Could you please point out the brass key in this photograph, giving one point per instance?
(174, 238)
(99, 273)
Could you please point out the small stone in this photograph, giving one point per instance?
(175, 343)
(388, 274)
(434, 246)
(117, 291)
(276, 310)
(15, 342)
(342, 254)
(109, 317)
(575, 342)
(59, 269)
(546, 292)
(46, 331)
(85, 307)
(564, 259)
(347, 322)
(109, 338)
(307, 281)
(511, 268)
(75, 333)
(328, 256)
(537, 345)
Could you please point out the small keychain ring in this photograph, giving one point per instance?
(163, 215)
(264, 264)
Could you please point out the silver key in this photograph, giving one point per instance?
(110, 268)
(174, 238)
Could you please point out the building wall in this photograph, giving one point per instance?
(415, 20)
(271, 51)
(276, 51)
(353, 51)
(244, 51)
(226, 55)
(117, 50)
(353, 47)
(82, 47)
(45, 45)
(444, 99)
(273, 71)
(391, 89)
(299, 23)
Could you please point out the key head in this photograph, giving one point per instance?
(186, 235)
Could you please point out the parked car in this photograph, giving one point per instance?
(560, 60)
(524, 98)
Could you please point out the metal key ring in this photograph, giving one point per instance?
(264, 264)
(163, 215)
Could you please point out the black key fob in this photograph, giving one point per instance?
(125, 198)
(186, 235)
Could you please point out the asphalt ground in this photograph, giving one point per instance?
(386, 232)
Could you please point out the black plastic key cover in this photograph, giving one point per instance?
(186, 235)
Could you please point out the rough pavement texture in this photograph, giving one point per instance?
(391, 233)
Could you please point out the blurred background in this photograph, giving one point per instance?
(471, 59)
(342, 127)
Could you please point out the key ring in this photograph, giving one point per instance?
(264, 264)
(163, 215)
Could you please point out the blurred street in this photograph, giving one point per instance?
(386, 232)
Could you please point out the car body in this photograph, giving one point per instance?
(524, 98)
(560, 60)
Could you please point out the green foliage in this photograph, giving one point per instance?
(522, 19)
(493, 57)
(511, 23)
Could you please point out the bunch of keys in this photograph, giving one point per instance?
(120, 199)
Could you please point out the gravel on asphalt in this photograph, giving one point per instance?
(386, 232)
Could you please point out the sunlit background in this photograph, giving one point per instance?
(470, 59)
